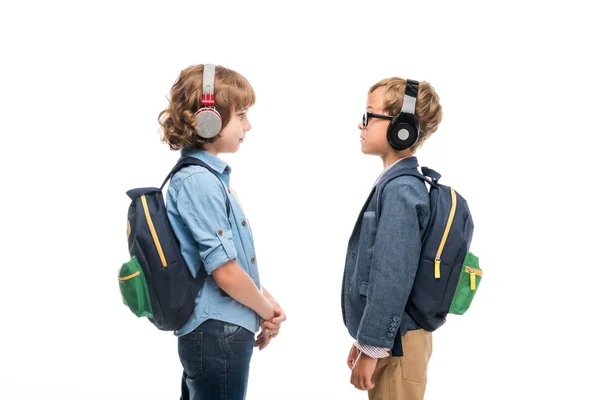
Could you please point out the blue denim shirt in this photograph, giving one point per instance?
(382, 260)
(197, 212)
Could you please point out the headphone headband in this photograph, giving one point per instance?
(412, 88)
(208, 85)
(410, 97)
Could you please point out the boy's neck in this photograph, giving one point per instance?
(211, 150)
(393, 156)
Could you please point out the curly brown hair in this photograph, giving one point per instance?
(427, 110)
(232, 92)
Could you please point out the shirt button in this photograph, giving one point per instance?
(253, 259)
(220, 232)
(226, 169)
(244, 222)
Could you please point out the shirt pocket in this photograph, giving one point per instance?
(366, 243)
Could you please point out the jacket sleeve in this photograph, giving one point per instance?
(394, 264)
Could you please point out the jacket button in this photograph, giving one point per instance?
(244, 222)
(220, 232)
(253, 259)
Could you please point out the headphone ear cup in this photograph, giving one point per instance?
(208, 122)
(402, 132)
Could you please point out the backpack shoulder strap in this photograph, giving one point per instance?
(434, 175)
(184, 162)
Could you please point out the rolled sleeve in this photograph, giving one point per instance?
(395, 260)
(201, 203)
(221, 253)
(372, 351)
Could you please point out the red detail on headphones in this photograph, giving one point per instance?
(207, 109)
(208, 99)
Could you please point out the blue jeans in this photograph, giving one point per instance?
(216, 361)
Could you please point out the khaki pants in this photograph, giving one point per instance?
(404, 378)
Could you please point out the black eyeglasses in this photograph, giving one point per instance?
(368, 115)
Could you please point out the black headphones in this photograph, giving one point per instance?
(404, 129)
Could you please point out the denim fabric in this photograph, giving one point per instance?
(216, 361)
(382, 259)
(197, 212)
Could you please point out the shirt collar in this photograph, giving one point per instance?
(210, 159)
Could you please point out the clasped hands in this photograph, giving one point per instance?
(270, 328)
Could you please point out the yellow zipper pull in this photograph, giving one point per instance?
(472, 272)
(437, 263)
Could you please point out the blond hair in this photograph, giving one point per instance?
(427, 110)
(177, 121)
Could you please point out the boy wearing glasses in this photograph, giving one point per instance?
(391, 352)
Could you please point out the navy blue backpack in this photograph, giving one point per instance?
(448, 274)
(156, 282)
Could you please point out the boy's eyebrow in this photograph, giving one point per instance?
(242, 111)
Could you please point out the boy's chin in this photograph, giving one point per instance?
(366, 150)
(371, 151)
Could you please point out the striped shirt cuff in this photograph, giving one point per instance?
(372, 351)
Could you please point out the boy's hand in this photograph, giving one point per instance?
(270, 328)
(363, 371)
(263, 339)
(273, 325)
(352, 357)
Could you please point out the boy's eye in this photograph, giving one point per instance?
(241, 115)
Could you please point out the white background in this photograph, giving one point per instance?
(81, 86)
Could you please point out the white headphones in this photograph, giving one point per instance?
(208, 119)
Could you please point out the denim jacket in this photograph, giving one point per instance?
(382, 260)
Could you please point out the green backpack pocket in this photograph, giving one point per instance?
(134, 290)
(468, 283)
